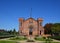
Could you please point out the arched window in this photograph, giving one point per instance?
(20, 24)
(40, 24)
(30, 21)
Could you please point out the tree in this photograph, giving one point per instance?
(10, 31)
(56, 28)
(14, 31)
(51, 28)
(47, 28)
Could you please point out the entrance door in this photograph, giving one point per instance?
(30, 31)
(40, 32)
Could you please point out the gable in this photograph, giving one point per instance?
(31, 19)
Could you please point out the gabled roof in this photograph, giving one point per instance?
(31, 18)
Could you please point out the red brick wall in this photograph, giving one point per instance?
(26, 24)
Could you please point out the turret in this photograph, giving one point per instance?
(21, 21)
(40, 20)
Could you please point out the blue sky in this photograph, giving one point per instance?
(12, 10)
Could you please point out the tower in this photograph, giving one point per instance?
(40, 28)
(21, 20)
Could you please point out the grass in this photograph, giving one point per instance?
(15, 39)
(7, 41)
(55, 42)
(39, 39)
(52, 42)
(48, 40)
(18, 38)
(4, 41)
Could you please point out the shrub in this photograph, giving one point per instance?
(56, 37)
(18, 38)
(48, 40)
(6, 36)
(44, 37)
(40, 38)
(30, 40)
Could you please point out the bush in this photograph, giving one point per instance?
(40, 39)
(6, 36)
(30, 40)
(56, 37)
(18, 38)
(44, 37)
(48, 40)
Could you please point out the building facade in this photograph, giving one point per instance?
(31, 27)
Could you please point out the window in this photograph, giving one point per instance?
(20, 31)
(40, 24)
(20, 24)
(30, 21)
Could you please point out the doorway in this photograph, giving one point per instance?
(30, 31)
(40, 32)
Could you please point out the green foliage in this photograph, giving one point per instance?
(55, 42)
(51, 28)
(44, 37)
(48, 40)
(18, 38)
(56, 28)
(14, 32)
(2, 41)
(30, 41)
(6, 41)
(55, 37)
(6, 36)
(40, 39)
(9, 32)
(3, 32)
(47, 28)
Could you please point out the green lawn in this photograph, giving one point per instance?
(5, 41)
(18, 38)
(39, 39)
(48, 40)
(55, 42)
(15, 39)
(51, 42)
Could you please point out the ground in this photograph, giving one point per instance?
(6, 40)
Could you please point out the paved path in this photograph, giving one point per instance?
(56, 40)
(32, 42)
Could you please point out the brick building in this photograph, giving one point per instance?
(31, 27)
